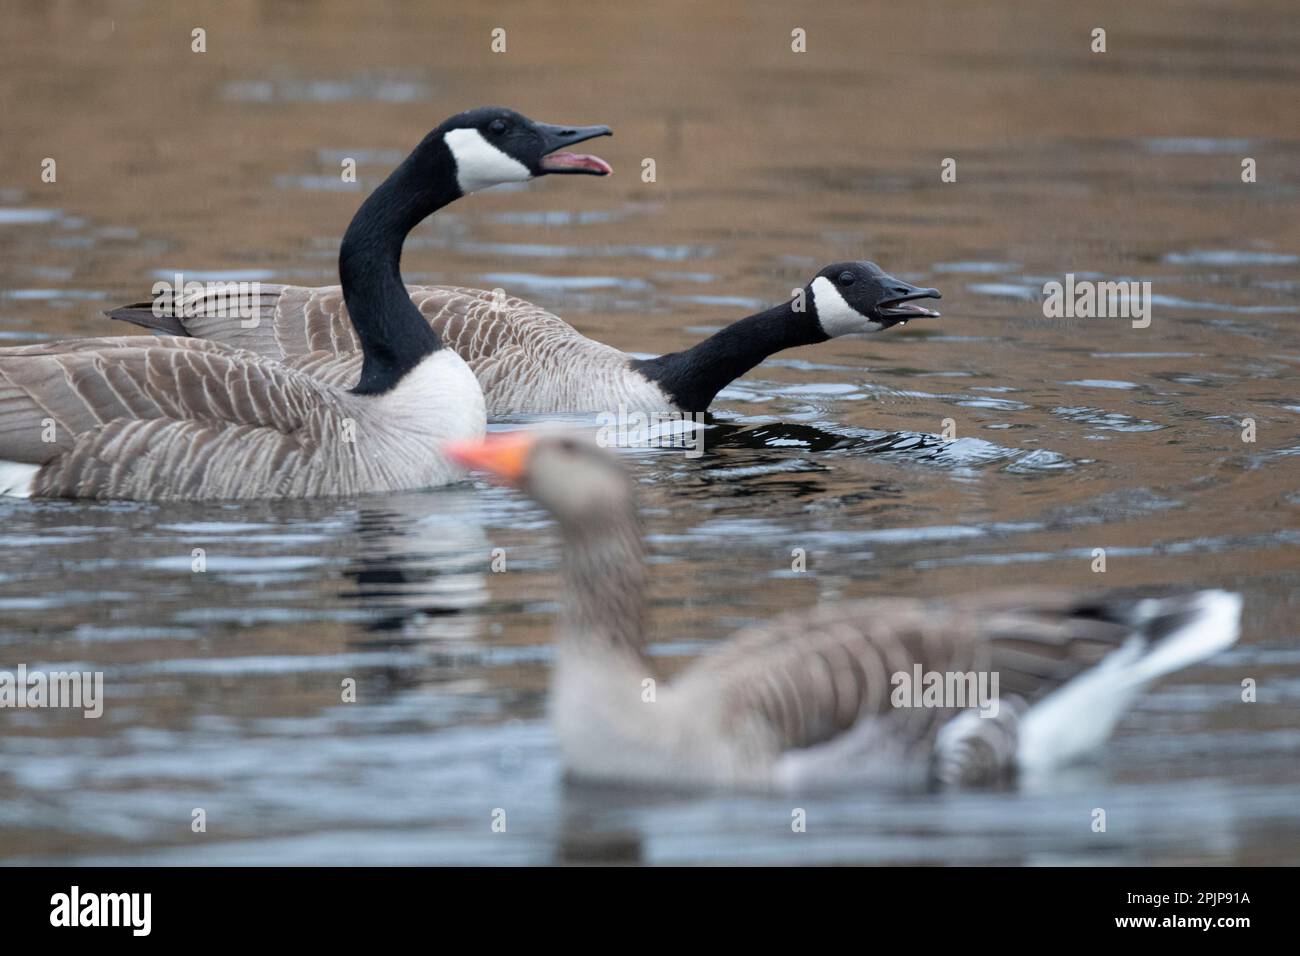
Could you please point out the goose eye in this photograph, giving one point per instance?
(498, 126)
(846, 278)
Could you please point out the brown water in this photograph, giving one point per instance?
(223, 687)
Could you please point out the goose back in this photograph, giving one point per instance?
(528, 361)
(808, 696)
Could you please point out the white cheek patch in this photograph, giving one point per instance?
(836, 316)
(479, 164)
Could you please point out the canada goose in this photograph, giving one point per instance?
(811, 697)
(188, 418)
(532, 362)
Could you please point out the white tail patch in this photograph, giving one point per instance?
(1214, 628)
(16, 478)
(479, 164)
(1077, 717)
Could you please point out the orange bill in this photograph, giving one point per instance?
(503, 455)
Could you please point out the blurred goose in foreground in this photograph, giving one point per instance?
(532, 362)
(812, 698)
(189, 418)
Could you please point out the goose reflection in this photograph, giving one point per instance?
(418, 569)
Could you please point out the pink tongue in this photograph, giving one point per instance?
(910, 306)
(577, 161)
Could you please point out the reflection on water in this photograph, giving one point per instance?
(225, 685)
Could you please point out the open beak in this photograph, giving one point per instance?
(560, 138)
(503, 455)
(899, 302)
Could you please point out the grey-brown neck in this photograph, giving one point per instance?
(605, 604)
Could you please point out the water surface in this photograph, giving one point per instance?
(1071, 435)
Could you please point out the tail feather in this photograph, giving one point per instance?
(1167, 635)
(143, 314)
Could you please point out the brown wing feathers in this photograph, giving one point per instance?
(812, 677)
(113, 417)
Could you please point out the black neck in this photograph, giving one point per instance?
(693, 377)
(394, 335)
